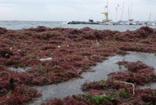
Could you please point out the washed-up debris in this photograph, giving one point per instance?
(46, 59)
(19, 69)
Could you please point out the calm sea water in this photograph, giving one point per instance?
(15, 25)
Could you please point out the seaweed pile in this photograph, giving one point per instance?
(71, 52)
(121, 88)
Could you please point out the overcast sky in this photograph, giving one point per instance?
(82, 10)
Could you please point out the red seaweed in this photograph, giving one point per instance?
(73, 51)
(117, 89)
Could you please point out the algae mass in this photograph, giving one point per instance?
(71, 52)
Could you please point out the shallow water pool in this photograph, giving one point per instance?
(73, 86)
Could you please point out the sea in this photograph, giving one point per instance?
(16, 25)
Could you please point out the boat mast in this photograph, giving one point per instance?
(122, 11)
(155, 18)
(149, 17)
(128, 14)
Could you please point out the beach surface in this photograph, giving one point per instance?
(37, 57)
